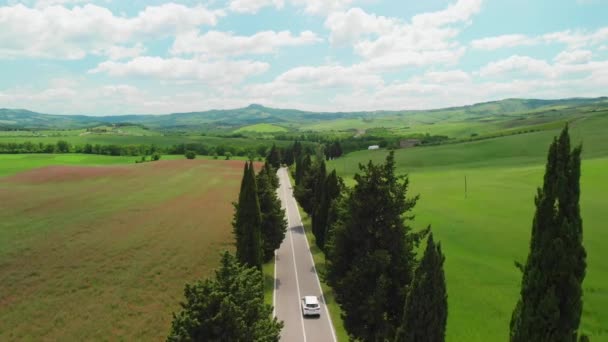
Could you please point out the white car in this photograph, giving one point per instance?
(310, 306)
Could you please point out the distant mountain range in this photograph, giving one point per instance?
(254, 114)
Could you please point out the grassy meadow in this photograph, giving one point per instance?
(103, 252)
(483, 234)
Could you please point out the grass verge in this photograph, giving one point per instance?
(268, 271)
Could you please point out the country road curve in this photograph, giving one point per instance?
(296, 276)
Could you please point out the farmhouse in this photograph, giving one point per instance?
(373, 147)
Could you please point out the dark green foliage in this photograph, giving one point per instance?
(227, 156)
(333, 150)
(303, 163)
(273, 225)
(190, 154)
(156, 156)
(63, 146)
(370, 257)
(318, 186)
(297, 149)
(271, 173)
(308, 191)
(247, 221)
(550, 304)
(426, 307)
(303, 190)
(288, 158)
(274, 157)
(324, 215)
(229, 307)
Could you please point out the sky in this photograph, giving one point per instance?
(110, 57)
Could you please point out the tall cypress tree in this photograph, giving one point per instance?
(426, 306)
(331, 191)
(370, 257)
(273, 225)
(550, 304)
(303, 163)
(247, 221)
(274, 157)
(318, 188)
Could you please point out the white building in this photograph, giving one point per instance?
(373, 147)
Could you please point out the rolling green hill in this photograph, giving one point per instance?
(456, 121)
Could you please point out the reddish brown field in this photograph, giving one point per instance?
(103, 253)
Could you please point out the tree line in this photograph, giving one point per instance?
(370, 251)
(230, 307)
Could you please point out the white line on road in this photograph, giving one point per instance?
(274, 287)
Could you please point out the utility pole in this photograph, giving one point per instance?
(465, 186)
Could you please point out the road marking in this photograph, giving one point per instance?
(295, 266)
(274, 287)
(331, 324)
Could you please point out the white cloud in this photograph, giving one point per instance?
(322, 7)
(461, 11)
(347, 27)
(215, 43)
(316, 7)
(446, 77)
(46, 3)
(252, 6)
(64, 33)
(503, 41)
(517, 64)
(330, 76)
(122, 52)
(179, 69)
(574, 57)
(572, 38)
(386, 44)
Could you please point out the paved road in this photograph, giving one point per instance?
(295, 277)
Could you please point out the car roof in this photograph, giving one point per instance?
(311, 300)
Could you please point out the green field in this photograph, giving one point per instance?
(262, 128)
(103, 252)
(483, 234)
(14, 163)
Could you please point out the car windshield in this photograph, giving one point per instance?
(311, 305)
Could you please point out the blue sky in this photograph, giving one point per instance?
(109, 57)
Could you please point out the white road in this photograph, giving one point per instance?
(296, 276)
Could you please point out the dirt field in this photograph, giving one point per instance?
(103, 253)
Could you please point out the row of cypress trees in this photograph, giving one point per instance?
(369, 248)
(259, 221)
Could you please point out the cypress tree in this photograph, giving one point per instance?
(274, 157)
(331, 191)
(247, 221)
(370, 257)
(318, 188)
(273, 224)
(229, 307)
(303, 163)
(426, 306)
(550, 303)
